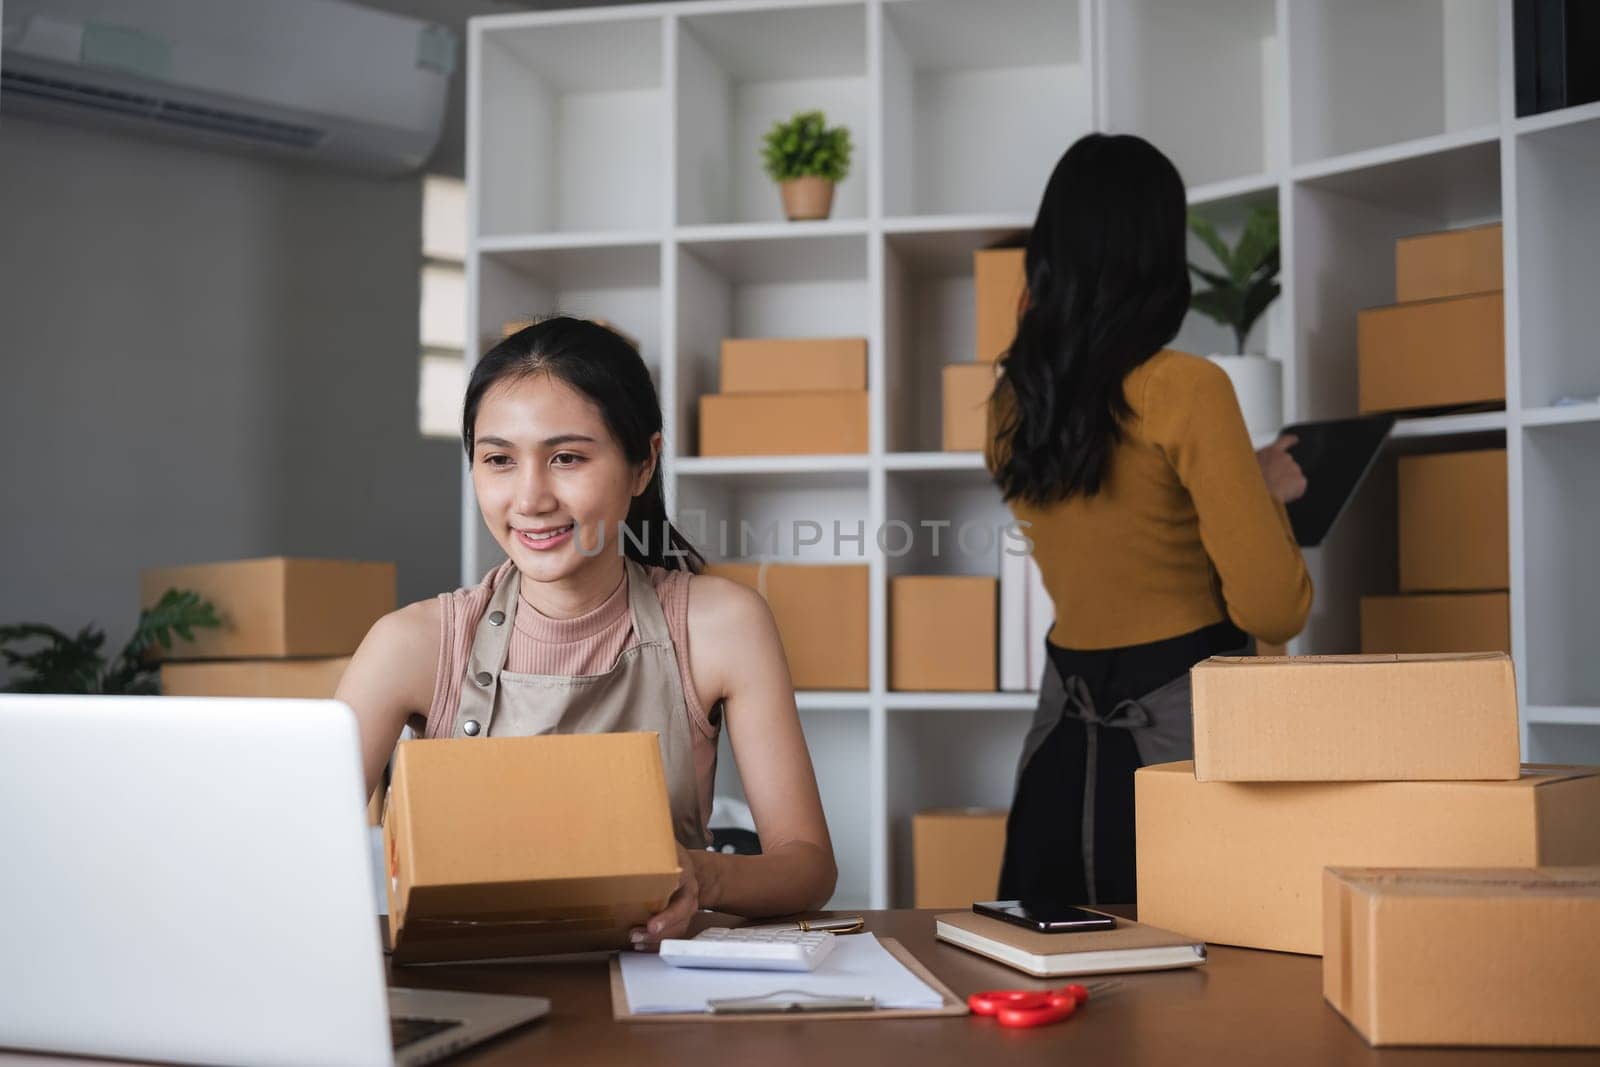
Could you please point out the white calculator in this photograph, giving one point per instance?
(750, 949)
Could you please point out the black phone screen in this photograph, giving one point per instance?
(1047, 917)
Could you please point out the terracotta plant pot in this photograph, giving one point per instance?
(807, 198)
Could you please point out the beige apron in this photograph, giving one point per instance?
(642, 693)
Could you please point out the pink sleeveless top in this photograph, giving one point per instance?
(588, 644)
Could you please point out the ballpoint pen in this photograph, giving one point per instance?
(842, 924)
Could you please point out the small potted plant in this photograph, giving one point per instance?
(1236, 297)
(807, 158)
(64, 663)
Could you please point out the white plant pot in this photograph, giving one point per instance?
(1258, 383)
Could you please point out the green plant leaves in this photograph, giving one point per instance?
(76, 664)
(806, 147)
(1246, 286)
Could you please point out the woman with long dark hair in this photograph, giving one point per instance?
(599, 621)
(1160, 535)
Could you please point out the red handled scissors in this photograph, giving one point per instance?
(1032, 1007)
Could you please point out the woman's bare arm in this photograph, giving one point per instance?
(390, 680)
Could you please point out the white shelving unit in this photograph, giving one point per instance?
(614, 172)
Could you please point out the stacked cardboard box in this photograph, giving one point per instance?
(942, 633)
(788, 397)
(1000, 284)
(821, 612)
(289, 626)
(1454, 559)
(1302, 764)
(1443, 344)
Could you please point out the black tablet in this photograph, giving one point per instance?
(1335, 457)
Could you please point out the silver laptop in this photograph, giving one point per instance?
(189, 880)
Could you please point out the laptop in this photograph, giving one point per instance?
(1336, 457)
(189, 880)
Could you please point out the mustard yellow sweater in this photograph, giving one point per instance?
(1183, 532)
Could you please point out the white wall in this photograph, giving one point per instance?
(204, 356)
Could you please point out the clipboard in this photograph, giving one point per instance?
(952, 1006)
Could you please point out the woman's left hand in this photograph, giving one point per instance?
(673, 920)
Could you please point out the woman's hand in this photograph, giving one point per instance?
(1285, 480)
(673, 920)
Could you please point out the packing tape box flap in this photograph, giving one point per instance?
(523, 846)
(1240, 863)
(1383, 717)
(1465, 957)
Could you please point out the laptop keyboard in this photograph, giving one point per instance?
(404, 1031)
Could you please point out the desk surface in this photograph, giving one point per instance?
(1241, 1007)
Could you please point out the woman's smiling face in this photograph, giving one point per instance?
(552, 482)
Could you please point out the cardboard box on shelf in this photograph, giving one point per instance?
(1453, 530)
(306, 679)
(780, 424)
(821, 612)
(1355, 718)
(1428, 266)
(1000, 280)
(278, 607)
(1441, 622)
(1464, 957)
(1240, 863)
(519, 846)
(786, 365)
(942, 633)
(1432, 354)
(966, 389)
(955, 856)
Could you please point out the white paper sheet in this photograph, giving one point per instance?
(858, 967)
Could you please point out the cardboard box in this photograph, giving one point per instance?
(1240, 863)
(771, 365)
(821, 612)
(304, 679)
(1355, 718)
(942, 634)
(784, 424)
(519, 846)
(1000, 280)
(1453, 529)
(956, 855)
(1443, 622)
(1432, 354)
(1429, 266)
(966, 405)
(1473, 957)
(278, 607)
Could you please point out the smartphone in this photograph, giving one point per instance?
(1047, 918)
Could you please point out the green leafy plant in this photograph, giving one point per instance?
(1247, 284)
(806, 147)
(63, 663)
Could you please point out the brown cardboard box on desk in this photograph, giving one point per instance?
(1432, 353)
(1464, 957)
(786, 365)
(965, 395)
(1000, 281)
(1453, 528)
(1428, 266)
(278, 607)
(955, 856)
(1436, 622)
(520, 846)
(1240, 863)
(942, 634)
(303, 679)
(821, 612)
(784, 424)
(1355, 718)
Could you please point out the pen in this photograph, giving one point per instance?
(843, 924)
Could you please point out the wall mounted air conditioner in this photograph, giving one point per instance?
(322, 80)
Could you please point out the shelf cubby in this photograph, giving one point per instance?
(979, 101)
(741, 71)
(773, 515)
(1561, 511)
(571, 128)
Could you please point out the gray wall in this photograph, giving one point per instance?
(204, 356)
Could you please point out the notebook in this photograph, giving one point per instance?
(1130, 947)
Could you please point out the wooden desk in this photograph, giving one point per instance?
(1241, 1007)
